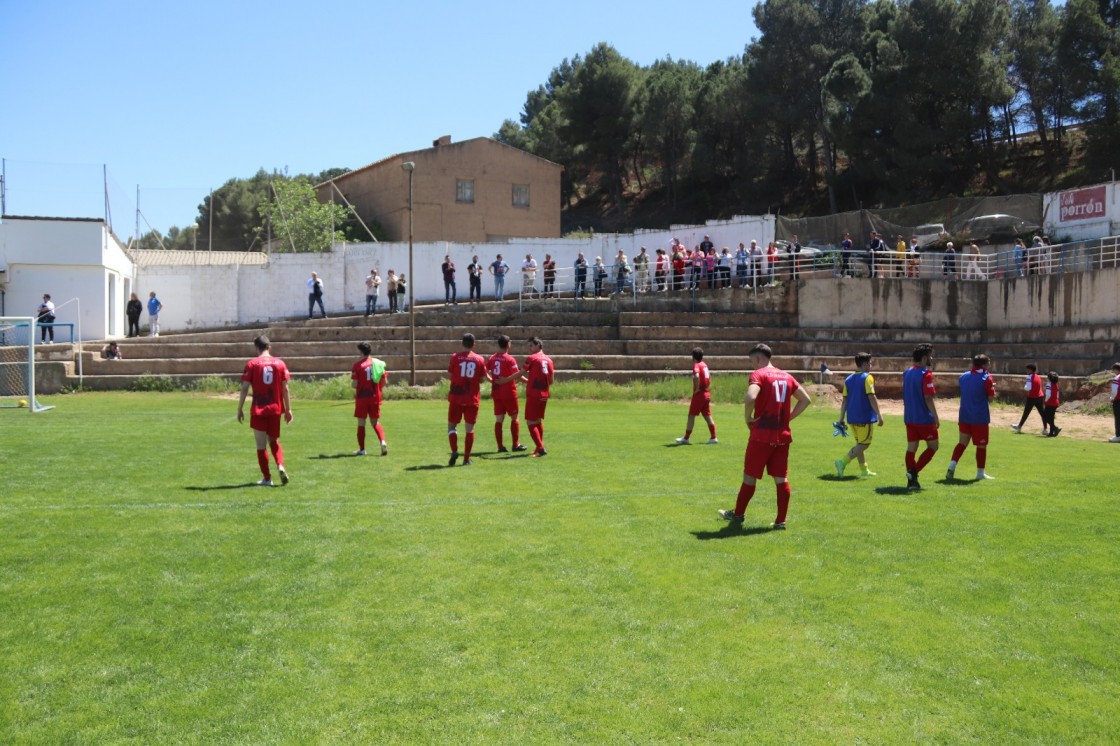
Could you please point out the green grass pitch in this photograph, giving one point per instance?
(148, 594)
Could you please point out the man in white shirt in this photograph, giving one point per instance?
(528, 275)
(373, 287)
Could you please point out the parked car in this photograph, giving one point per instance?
(997, 226)
(929, 234)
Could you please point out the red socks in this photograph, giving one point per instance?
(277, 452)
(746, 492)
(380, 431)
(536, 434)
(262, 459)
(361, 437)
(498, 434)
(911, 462)
(959, 451)
(470, 444)
(515, 432)
(925, 458)
(712, 430)
(687, 434)
(981, 457)
(783, 501)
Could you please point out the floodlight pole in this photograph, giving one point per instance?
(410, 166)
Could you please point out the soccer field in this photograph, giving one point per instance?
(150, 593)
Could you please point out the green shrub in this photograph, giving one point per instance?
(149, 382)
(215, 385)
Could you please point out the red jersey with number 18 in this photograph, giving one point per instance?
(539, 372)
(772, 406)
(467, 370)
(266, 375)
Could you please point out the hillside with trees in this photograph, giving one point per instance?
(838, 104)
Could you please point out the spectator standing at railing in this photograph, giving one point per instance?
(757, 259)
(581, 275)
(846, 256)
(448, 270)
(795, 256)
(641, 270)
(706, 245)
(373, 287)
(711, 269)
(134, 309)
(45, 317)
(498, 268)
(972, 263)
(742, 265)
(1019, 255)
(622, 272)
(154, 308)
(725, 261)
(679, 265)
(1034, 256)
(1047, 256)
(913, 259)
(314, 295)
(949, 262)
(661, 270)
(391, 290)
(900, 251)
(875, 254)
(697, 264)
(549, 267)
(771, 263)
(474, 276)
(529, 275)
(598, 274)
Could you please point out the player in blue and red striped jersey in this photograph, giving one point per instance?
(538, 376)
(502, 371)
(268, 377)
(919, 413)
(367, 377)
(1036, 398)
(1053, 399)
(701, 403)
(767, 411)
(977, 387)
(467, 369)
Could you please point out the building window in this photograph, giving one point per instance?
(464, 190)
(520, 195)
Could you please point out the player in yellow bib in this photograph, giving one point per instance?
(861, 408)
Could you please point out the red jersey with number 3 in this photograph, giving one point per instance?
(503, 365)
(467, 370)
(539, 372)
(266, 375)
(772, 405)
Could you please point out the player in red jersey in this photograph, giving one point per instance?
(503, 372)
(467, 369)
(367, 377)
(768, 414)
(538, 378)
(268, 377)
(701, 403)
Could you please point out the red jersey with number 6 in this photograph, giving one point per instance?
(267, 376)
(467, 370)
(772, 406)
(539, 372)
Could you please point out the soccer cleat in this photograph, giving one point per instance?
(713, 441)
(912, 481)
(539, 452)
(1044, 432)
(1054, 432)
(360, 452)
(265, 483)
(684, 441)
(776, 526)
(868, 473)
(520, 447)
(729, 515)
(503, 449)
(454, 457)
(980, 476)
(1015, 428)
(467, 462)
(951, 474)
(283, 476)
(384, 448)
(839, 467)
(1114, 440)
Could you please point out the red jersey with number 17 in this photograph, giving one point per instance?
(539, 372)
(266, 375)
(772, 405)
(467, 370)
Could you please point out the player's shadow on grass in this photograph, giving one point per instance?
(322, 456)
(833, 478)
(428, 467)
(495, 456)
(731, 532)
(223, 487)
(895, 490)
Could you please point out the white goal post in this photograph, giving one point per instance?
(17, 363)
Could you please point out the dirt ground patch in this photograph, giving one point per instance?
(1071, 418)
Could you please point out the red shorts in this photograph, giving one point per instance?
(269, 424)
(534, 409)
(506, 406)
(467, 413)
(701, 404)
(915, 433)
(979, 433)
(761, 456)
(367, 408)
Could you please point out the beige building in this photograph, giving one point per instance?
(473, 191)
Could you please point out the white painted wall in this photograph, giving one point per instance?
(77, 262)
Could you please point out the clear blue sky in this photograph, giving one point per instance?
(177, 98)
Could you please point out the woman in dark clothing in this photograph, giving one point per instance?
(135, 308)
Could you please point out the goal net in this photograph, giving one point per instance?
(17, 364)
